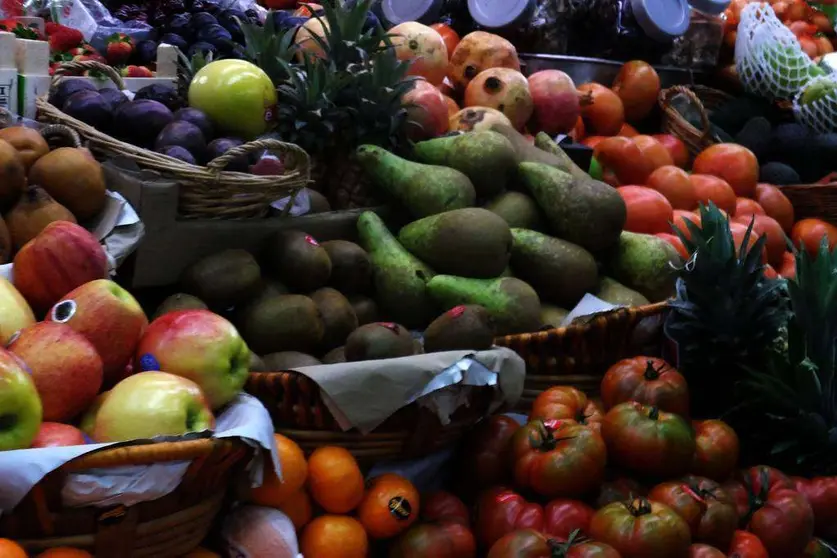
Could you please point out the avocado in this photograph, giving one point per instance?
(755, 136)
(618, 294)
(377, 341)
(339, 318)
(351, 268)
(365, 309)
(288, 360)
(778, 174)
(734, 114)
(791, 144)
(298, 260)
(552, 316)
(276, 323)
(645, 263)
(466, 327)
(179, 301)
(224, 279)
(335, 356)
(519, 210)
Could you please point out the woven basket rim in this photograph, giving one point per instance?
(150, 452)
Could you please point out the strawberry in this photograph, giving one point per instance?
(136, 72)
(64, 39)
(119, 48)
(20, 31)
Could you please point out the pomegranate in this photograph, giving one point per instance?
(556, 103)
(423, 47)
(503, 89)
(601, 109)
(427, 110)
(453, 107)
(480, 51)
(305, 41)
(638, 85)
(475, 119)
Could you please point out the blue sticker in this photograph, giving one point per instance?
(88, 439)
(148, 363)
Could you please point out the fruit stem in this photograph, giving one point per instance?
(652, 373)
(654, 413)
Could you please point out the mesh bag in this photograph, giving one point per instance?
(815, 105)
(768, 57)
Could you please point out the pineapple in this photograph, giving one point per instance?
(268, 49)
(725, 314)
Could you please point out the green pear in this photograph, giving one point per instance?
(486, 157)
(513, 305)
(646, 264)
(400, 278)
(423, 189)
(470, 242)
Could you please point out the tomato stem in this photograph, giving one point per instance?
(654, 413)
(652, 373)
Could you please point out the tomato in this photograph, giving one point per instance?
(444, 540)
(654, 150)
(673, 182)
(745, 207)
(821, 493)
(705, 551)
(678, 222)
(817, 549)
(775, 204)
(775, 512)
(712, 188)
(558, 458)
(638, 85)
(739, 232)
(449, 36)
(788, 267)
(484, 461)
(624, 157)
(808, 45)
(707, 508)
(619, 489)
(642, 528)
(647, 380)
(500, 511)
(601, 109)
(764, 225)
(566, 402)
(716, 450)
(648, 441)
(627, 131)
(648, 211)
(562, 517)
(444, 506)
(808, 234)
(676, 242)
(746, 545)
(528, 543)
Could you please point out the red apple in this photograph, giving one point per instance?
(201, 346)
(109, 317)
(427, 111)
(62, 257)
(56, 434)
(556, 102)
(676, 148)
(65, 366)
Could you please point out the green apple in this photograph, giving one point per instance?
(152, 404)
(238, 97)
(20, 405)
(199, 345)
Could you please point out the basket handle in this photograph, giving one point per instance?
(665, 99)
(66, 67)
(60, 132)
(219, 163)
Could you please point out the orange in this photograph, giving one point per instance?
(64, 552)
(390, 506)
(334, 479)
(10, 549)
(274, 491)
(298, 508)
(333, 536)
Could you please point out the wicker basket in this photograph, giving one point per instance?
(166, 527)
(298, 411)
(579, 355)
(207, 192)
(705, 99)
(813, 201)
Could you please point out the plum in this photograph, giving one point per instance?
(59, 95)
(198, 118)
(162, 93)
(141, 121)
(89, 107)
(215, 35)
(202, 19)
(181, 24)
(183, 134)
(113, 96)
(178, 153)
(176, 40)
(203, 47)
(146, 52)
(218, 147)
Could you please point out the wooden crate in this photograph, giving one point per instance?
(171, 244)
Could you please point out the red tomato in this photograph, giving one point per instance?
(483, 460)
(649, 211)
(625, 159)
(673, 182)
(775, 204)
(704, 505)
(716, 450)
(675, 241)
(444, 506)
(678, 222)
(601, 109)
(449, 36)
(558, 458)
(746, 545)
(821, 493)
(778, 515)
(648, 441)
(641, 529)
(788, 268)
(654, 150)
(817, 549)
(770, 272)
(531, 544)
(619, 489)
(745, 207)
(705, 551)
(776, 241)
(627, 131)
(562, 517)
(500, 511)
(808, 234)
(566, 402)
(445, 540)
(712, 188)
(647, 380)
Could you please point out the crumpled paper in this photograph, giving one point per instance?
(20, 470)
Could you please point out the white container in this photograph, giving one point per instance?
(8, 73)
(32, 59)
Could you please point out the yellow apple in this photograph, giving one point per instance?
(15, 313)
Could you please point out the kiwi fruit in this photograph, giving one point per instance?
(351, 268)
(365, 309)
(467, 327)
(337, 314)
(288, 360)
(298, 260)
(276, 323)
(179, 301)
(379, 340)
(224, 279)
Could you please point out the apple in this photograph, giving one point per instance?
(201, 346)
(88, 420)
(15, 313)
(20, 406)
(66, 368)
(152, 404)
(56, 434)
(109, 317)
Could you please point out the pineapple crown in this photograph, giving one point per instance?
(267, 47)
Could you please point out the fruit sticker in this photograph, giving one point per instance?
(148, 363)
(456, 311)
(400, 508)
(390, 326)
(270, 113)
(311, 240)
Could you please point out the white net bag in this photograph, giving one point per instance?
(768, 57)
(815, 105)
